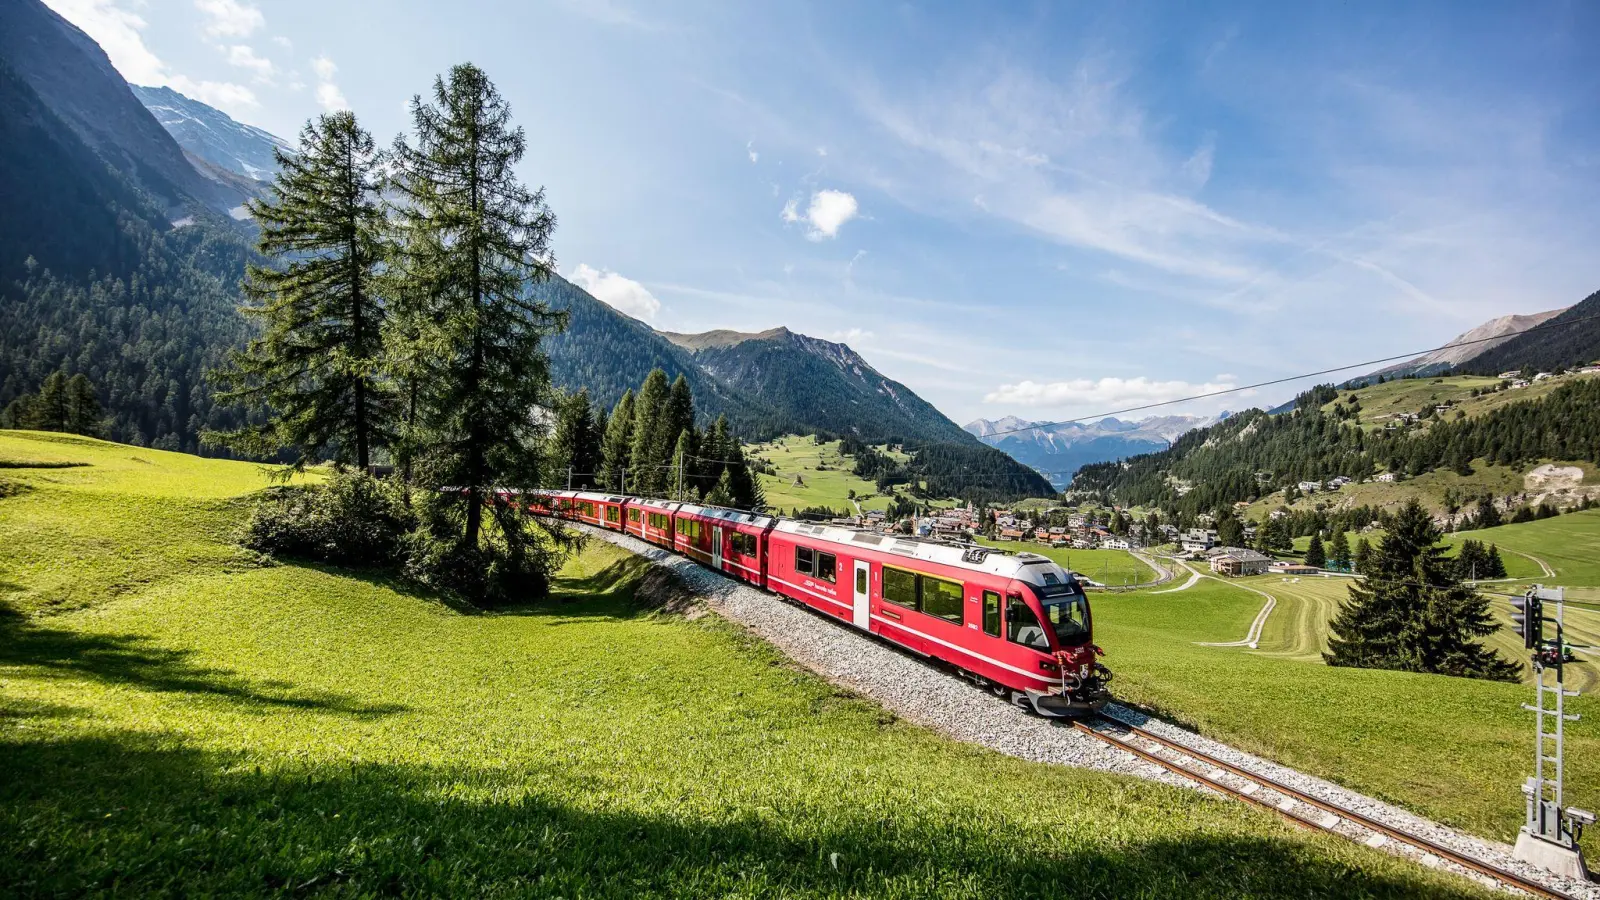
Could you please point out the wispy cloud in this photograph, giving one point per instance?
(1102, 393)
(229, 18)
(120, 32)
(329, 97)
(244, 57)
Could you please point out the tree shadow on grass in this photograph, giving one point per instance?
(128, 814)
(136, 661)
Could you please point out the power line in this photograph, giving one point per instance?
(1278, 381)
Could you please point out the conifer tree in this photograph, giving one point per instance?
(652, 447)
(51, 410)
(1410, 613)
(1488, 513)
(1315, 555)
(473, 239)
(678, 483)
(1339, 551)
(680, 408)
(618, 444)
(84, 413)
(1230, 531)
(1493, 564)
(1361, 559)
(317, 363)
(575, 447)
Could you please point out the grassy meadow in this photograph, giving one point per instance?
(825, 473)
(217, 724)
(1451, 748)
(1109, 567)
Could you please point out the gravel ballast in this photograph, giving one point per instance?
(928, 696)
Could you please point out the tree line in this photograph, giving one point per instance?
(648, 445)
(1252, 454)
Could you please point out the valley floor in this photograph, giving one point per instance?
(176, 717)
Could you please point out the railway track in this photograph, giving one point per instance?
(1294, 804)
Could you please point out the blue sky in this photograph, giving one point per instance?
(1047, 210)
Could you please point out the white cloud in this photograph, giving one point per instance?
(1198, 166)
(235, 99)
(230, 18)
(622, 294)
(827, 212)
(849, 335)
(244, 57)
(750, 149)
(329, 97)
(118, 32)
(822, 151)
(1102, 394)
(324, 68)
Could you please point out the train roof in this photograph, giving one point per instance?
(668, 505)
(1021, 566)
(597, 495)
(736, 516)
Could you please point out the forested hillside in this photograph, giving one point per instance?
(821, 387)
(1254, 453)
(1572, 338)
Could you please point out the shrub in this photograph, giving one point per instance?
(514, 561)
(352, 520)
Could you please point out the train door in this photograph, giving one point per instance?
(716, 547)
(863, 595)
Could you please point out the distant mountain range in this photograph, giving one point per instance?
(1059, 451)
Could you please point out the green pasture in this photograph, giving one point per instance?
(217, 725)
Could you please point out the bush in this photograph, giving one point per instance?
(512, 563)
(352, 520)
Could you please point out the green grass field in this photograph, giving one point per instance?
(217, 726)
(1380, 402)
(1108, 567)
(1570, 544)
(1455, 749)
(825, 474)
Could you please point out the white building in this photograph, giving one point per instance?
(1309, 487)
(1385, 477)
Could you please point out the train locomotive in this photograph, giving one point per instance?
(1015, 623)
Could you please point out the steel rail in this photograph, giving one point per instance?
(1417, 841)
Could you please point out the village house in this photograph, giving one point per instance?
(1115, 543)
(1292, 568)
(1385, 477)
(1238, 561)
(1309, 487)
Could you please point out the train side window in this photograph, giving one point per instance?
(900, 587)
(633, 515)
(828, 568)
(1022, 626)
(805, 560)
(861, 581)
(942, 598)
(991, 613)
(613, 514)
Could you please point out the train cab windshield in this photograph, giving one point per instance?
(1065, 607)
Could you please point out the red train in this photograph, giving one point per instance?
(1016, 623)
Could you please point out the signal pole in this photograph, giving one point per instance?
(1549, 837)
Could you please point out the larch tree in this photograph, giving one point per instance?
(473, 239)
(318, 362)
(1410, 613)
(617, 445)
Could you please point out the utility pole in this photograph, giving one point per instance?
(1549, 837)
(569, 478)
(624, 488)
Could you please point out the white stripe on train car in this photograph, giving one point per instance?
(819, 596)
(959, 649)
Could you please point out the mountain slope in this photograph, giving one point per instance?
(1469, 346)
(818, 386)
(1060, 450)
(1570, 340)
(76, 80)
(213, 135)
(609, 352)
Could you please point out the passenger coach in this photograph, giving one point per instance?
(1016, 623)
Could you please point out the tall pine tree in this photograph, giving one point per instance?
(317, 363)
(1315, 554)
(1410, 613)
(575, 450)
(617, 445)
(474, 238)
(650, 454)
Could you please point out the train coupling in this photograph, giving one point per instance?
(1074, 698)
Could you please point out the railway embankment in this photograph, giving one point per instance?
(921, 693)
